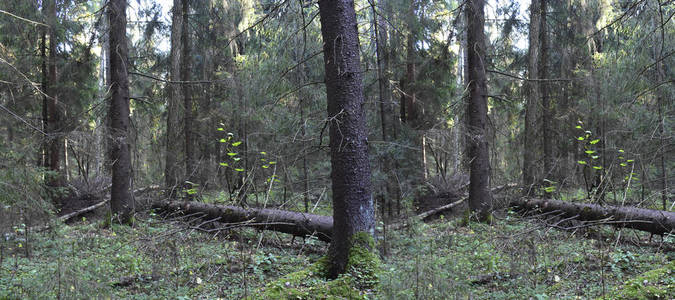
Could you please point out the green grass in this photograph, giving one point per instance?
(515, 258)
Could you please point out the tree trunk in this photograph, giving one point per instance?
(350, 168)
(295, 223)
(187, 97)
(53, 119)
(546, 132)
(480, 199)
(44, 149)
(531, 115)
(174, 146)
(654, 221)
(121, 201)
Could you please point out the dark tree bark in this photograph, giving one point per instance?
(546, 132)
(44, 149)
(54, 116)
(533, 96)
(480, 200)
(295, 223)
(390, 192)
(654, 221)
(187, 97)
(121, 201)
(174, 142)
(350, 168)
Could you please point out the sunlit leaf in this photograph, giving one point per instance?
(581, 162)
(232, 153)
(621, 150)
(589, 151)
(239, 170)
(224, 164)
(597, 167)
(220, 129)
(630, 160)
(235, 144)
(265, 166)
(581, 138)
(593, 142)
(223, 141)
(578, 127)
(623, 164)
(273, 163)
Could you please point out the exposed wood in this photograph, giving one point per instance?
(654, 221)
(295, 223)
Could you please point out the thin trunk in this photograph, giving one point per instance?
(174, 144)
(662, 121)
(480, 200)
(350, 168)
(121, 201)
(546, 132)
(54, 118)
(187, 97)
(45, 99)
(531, 115)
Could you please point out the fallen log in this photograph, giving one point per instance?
(295, 223)
(654, 221)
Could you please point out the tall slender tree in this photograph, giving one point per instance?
(174, 143)
(480, 200)
(350, 168)
(533, 98)
(121, 201)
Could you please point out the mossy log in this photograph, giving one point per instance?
(295, 223)
(654, 221)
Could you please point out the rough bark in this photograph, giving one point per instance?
(350, 167)
(480, 200)
(547, 118)
(174, 144)
(187, 97)
(295, 223)
(54, 116)
(121, 201)
(654, 221)
(533, 96)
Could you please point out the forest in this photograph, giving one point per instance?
(337, 149)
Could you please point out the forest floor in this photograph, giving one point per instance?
(515, 258)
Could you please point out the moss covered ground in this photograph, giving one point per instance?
(515, 258)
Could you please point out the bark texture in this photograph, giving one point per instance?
(121, 201)
(350, 168)
(654, 221)
(174, 143)
(533, 96)
(54, 115)
(295, 223)
(480, 199)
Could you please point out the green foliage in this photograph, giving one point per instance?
(359, 281)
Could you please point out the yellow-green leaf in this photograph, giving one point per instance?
(581, 162)
(235, 144)
(593, 142)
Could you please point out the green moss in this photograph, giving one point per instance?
(360, 280)
(655, 284)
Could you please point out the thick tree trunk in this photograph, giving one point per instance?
(654, 221)
(174, 143)
(350, 167)
(44, 149)
(295, 223)
(533, 96)
(480, 199)
(121, 201)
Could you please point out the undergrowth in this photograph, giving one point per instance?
(515, 258)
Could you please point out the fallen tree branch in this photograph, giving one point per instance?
(295, 223)
(654, 221)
